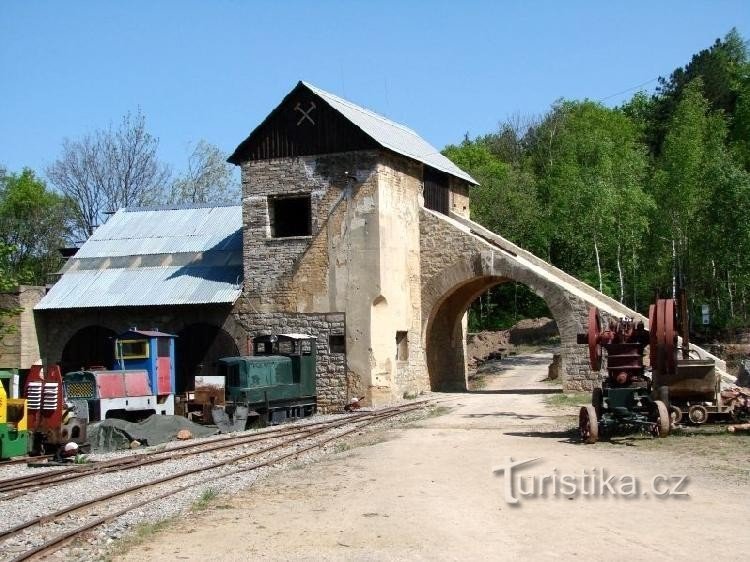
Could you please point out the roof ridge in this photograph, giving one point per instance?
(178, 207)
(321, 91)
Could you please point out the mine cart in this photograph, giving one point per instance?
(689, 383)
(624, 401)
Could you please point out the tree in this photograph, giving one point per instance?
(34, 224)
(590, 168)
(209, 178)
(109, 169)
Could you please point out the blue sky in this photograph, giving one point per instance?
(213, 70)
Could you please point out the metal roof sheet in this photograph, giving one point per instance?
(166, 230)
(144, 286)
(392, 135)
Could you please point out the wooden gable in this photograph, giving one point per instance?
(303, 124)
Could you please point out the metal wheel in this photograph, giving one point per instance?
(662, 420)
(676, 414)
(588, 425)
(597, 400)
(594, 330)
(698, 414)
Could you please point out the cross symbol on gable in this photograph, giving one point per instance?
(305, 114)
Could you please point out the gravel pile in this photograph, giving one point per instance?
(216, 480)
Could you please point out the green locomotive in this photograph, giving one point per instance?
(274, 384)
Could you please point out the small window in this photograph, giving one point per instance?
(337, 343)
(305, 347)
(286, 347)
(290, 216)
(260, 347)
(132, 349)
(402, 346)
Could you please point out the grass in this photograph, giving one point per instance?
(207, 496)
(437, 411)
(568, 399)
(141, 534)
(709, 447)
(341, 447)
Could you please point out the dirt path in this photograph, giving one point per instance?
(428, 492)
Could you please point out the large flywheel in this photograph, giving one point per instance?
(593, 333)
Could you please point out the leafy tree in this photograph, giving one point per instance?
(109, 169)
(209, 178)
(591, 169)
(34, 224)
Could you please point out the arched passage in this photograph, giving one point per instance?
(88, 347)
(449, 295)
(197, 348)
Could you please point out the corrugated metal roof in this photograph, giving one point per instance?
(392, 135)
(200, 247)
(168, 230)
(144, 286)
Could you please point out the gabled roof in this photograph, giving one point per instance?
(386, 133)
(155, 256)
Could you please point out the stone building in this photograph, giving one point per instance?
(351, 228)
(19, 348)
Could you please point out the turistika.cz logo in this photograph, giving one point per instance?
(590, 483)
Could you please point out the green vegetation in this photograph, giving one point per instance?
(204, 500)
(631, 199)
(570, 399)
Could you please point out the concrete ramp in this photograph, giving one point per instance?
(493, 257)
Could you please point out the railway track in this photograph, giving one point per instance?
(287, 439)
(14, 487)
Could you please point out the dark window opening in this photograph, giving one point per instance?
(290, 216)
(436, 190)
(337, 343)
(402, 346)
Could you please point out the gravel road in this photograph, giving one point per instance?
(429, 491)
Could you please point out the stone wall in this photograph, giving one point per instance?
(292, 274)
(335, 385)
(362, 257)
(19, 348)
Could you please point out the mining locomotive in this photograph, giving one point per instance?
(55, 409)
(276, 383)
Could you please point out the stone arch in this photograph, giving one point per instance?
(197, 348)
(447, 295)
(90, 346)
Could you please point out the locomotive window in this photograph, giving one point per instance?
(132, 349)
(290, 216)
(260, 347)
(286, 347)
(305, 347)
(337, 343)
